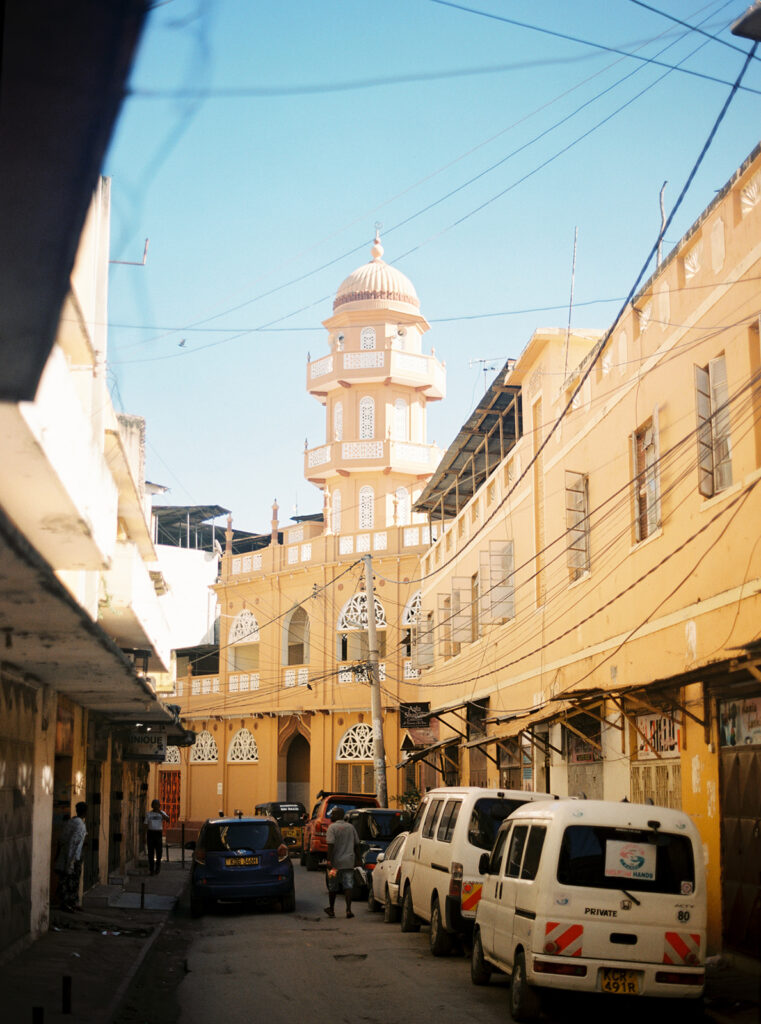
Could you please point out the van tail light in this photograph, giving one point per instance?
(282, 852)
(569, 970)
(455, 880)
(675, 978)
(199, 855)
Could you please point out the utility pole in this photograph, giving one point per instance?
(379, 753)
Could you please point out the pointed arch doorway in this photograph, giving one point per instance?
(296, 774)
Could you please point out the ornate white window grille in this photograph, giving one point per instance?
(322, 366)
(195, 687)
(233, 683)
(366, 508)
(366, 418)
(382, 671)
(243, 747)
(411, 613)
(411, 537)
(751, 194)
(403, 506)
(254, 677)
(290, 677)
(204, 748)
(236, 566)
(354, 614)
(245, 628)
(356, 744)
(244, 681)
(401, 420)
(346, 546)
(367, 338)
(410, 672)
(172, 755)
(303, 676)
(306, 552)
(256, 563)
(296, 535)
(363, 542)
(179, 687)
(245, 563)
(344, 675)
(338, 421)
(380, 541)
(215, 684)
(206, 685)
(336, 503)
(293, 555)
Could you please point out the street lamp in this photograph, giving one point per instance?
(748, 25)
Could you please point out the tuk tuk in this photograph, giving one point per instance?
(290, 816)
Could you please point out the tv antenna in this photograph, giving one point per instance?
(486, 365)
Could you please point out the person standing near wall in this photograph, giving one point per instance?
(154, 832)
(68, 863)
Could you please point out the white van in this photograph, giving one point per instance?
(593, 896)
(440, 880)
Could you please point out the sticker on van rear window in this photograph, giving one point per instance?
(629, 860)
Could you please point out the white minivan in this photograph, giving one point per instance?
(593, 896)
(440, 880)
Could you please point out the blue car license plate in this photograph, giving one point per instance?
(241, 862)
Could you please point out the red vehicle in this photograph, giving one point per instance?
(315, 844)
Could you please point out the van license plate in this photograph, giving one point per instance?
(241, 862)
(622, 983)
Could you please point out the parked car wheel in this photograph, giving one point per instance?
(525, 1002)
(372, 903)
(480, 971)
(313, 861)
(409, 919)
(288, 902)
(441, 940)
(303, 855)
(390, 910)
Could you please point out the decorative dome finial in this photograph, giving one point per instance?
(377, 249)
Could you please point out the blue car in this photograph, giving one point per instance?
(241, 859)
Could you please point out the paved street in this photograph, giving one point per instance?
(268, 966)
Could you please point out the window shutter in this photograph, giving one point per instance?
(422, 642)
(445, 625)
(637, 486)
(498, 590)
(576, 521)
(704, 434)
(653, 459)
(461, 613)
(722, 460)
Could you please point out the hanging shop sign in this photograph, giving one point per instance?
(658, 736)
(414, 715)
(740, 722)
(144, 746)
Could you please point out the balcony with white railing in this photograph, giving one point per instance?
(401, 456)
(129, 608)
(406, 368)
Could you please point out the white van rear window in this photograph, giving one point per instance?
(638, 859)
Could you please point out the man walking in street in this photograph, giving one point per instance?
(154, 835)
(68, 863)
(343, 844)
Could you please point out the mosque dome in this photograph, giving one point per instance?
(377, 285)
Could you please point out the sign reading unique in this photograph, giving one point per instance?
(414, 715)
(144, 746)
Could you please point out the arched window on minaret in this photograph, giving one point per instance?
(336, 504)
(367, 338)
(366, 418)
(338, 421)
(366, 508)
(401, 420)
(403, 508)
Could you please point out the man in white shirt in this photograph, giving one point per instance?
(343, 844)
(68, 863)
(154, 834)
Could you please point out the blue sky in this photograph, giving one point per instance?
(262, 141)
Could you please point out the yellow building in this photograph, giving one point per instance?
(288, 712)
(590, 612)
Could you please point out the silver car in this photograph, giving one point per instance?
(384, 880)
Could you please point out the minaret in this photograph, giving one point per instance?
(375, 383)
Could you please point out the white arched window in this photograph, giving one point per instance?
(245, 628)
(367, 338)
(366, 508)
(243, 747)
(366, 418)
(403, 506)
(336, 511)
(401, 420)
(244, 643)
(172, 755)
(204, 748)
(338, 421)
(352, 629)
(356, 744)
